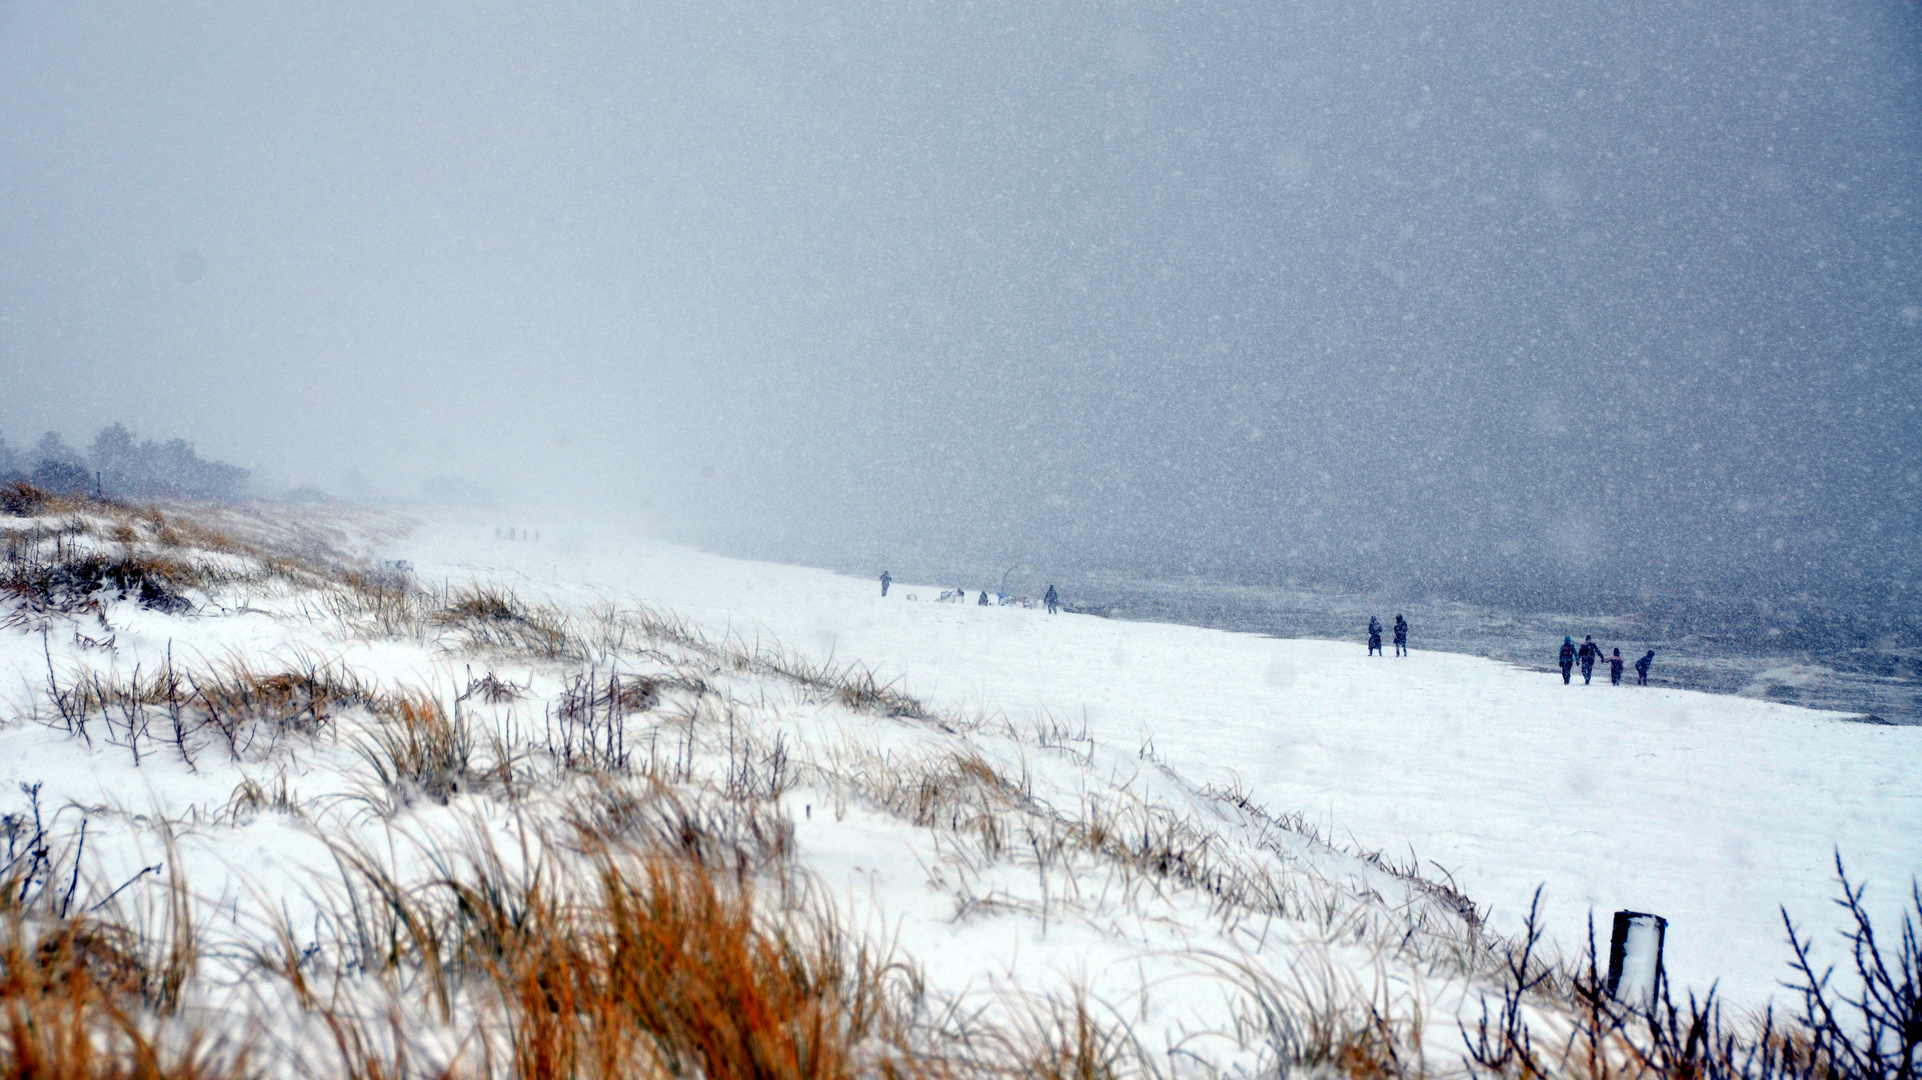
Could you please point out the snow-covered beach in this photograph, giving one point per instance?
(1712, 810)
(1173, 823)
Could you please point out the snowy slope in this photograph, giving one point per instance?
(248, 768)
(1041, 806)
(1714, 811)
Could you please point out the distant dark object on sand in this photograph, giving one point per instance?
(1088, 609)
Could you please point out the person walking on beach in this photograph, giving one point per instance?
(1615, 668)
(1641, 668)
(1590, 652)
(1374, 636)
(885, 579)
(1568, 657)
(1401, 635)
(1052, 599)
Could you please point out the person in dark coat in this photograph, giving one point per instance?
(1641, 668)
(983, 602)
(1568, 657)
(1615, 667)
(1374, 636)
(885, 579)
(1590, 652)
(1401, 635)
(1052, 599)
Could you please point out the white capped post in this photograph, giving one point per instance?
(1635, 958)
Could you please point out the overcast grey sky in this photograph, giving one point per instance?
(1459, 289)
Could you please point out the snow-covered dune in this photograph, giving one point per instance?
(1713, 811)
(1243, 853)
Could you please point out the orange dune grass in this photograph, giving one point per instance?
(647, 961)
(71, 1008)
(670, 972)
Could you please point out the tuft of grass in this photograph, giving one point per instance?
(481, 603)
(77, 581)
(493, 690)
(489, 618)
(175, 707)
(252, 797)
(83, 998)
(854, 686)
(671, 972)
(720, 834)
(63, 990)
(419, 749)
(1060, 1040)
(628, 960)
(587, 728)
(300, 699)
(21, 499)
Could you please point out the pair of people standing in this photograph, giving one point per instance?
(1587, 655)
(1641, 667)
(1401, 636)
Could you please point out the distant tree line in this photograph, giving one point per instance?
(116, 465)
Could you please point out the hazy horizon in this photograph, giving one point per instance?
(1482, 292)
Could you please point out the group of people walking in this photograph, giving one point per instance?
(1588, 654)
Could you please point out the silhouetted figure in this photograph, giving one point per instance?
(1641, 668)
(1590, 652)
(885, 579)
(983, 602)
(1615, 667)
(1052, 599)
(1401, 635)
(1568, 658)
(1374, 636)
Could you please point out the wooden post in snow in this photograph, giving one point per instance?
(1635, 958)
